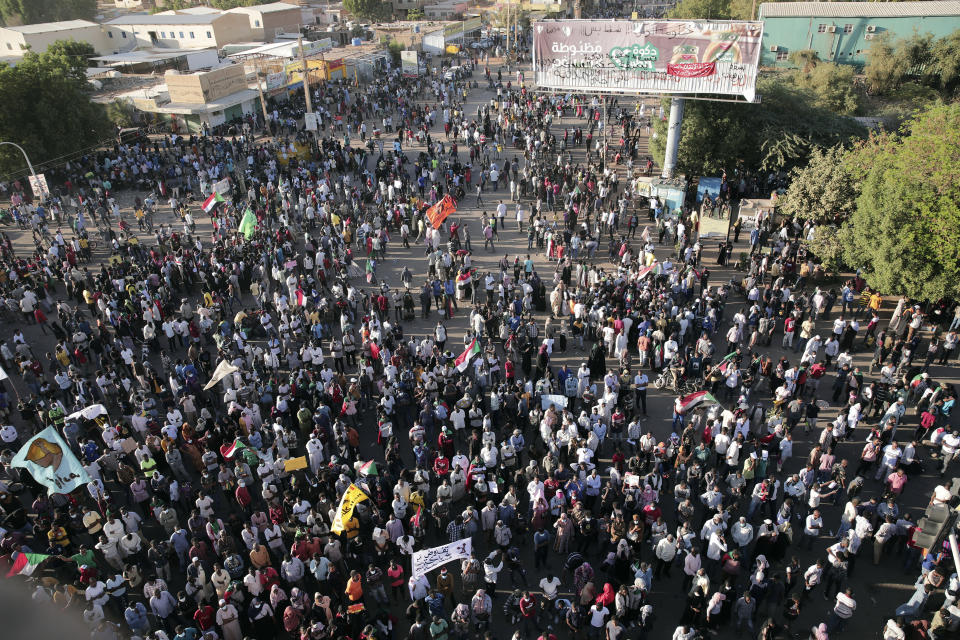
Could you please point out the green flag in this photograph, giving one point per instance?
(248, 224)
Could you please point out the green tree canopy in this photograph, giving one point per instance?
(778, 133)
(368, 10)
(832, 84)
(824, 191)
(55, 116)
(18, 12)
(716, 9)
(905, 230)
(232, 4)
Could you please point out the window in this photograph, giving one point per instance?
(163, 34)
(782, 54)
(256, 23)
(123, 34)
(209, 35)
(848, 28)
(181, 34)
(109, 34)
(191, 35)
(821, 28)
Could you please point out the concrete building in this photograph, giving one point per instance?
(268, 20)
(842, 32)
(179, 30)
(189, 101)
(445, 10)
(15, 41)
(457, 33)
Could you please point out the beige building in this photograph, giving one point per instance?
(178, 30)
(205, 86)
(15, 41)
(268, 20)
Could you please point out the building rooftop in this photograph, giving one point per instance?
(192, 11)
(860, 9)
(267, 8)
(48, 27)
(166, 19)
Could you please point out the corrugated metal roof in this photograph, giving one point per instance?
(48, 27)
(859, 9)
(161, 19)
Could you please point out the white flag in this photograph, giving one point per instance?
(222, 371)
(429, 559)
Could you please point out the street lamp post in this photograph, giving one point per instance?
(29, 165)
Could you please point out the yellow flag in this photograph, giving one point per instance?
(351, 498)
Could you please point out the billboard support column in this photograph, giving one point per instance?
(673, 138)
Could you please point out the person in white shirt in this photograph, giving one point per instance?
(811, 528)
(691, 565)
(684, 632)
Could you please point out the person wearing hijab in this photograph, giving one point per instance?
(607, 596)
(819, 632)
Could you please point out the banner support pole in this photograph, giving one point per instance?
(673, 137)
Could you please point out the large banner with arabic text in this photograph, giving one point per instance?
(423, 562)
(648, 56)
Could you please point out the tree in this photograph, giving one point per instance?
(168, 5)
(56, 117)
(884, 69)
(19, 12)
(415, 14)
(121, 113)
(72, 55)
(368, 10)
(905, 230)
(805, 59)
(823, 191)
(778, 133)
(833, 86)
(913, 54)
(700, 10)
(233, 4)
(944, 66)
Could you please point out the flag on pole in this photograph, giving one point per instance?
(50, 461)
(230, 450)
(694, 400)
(727, 359)
(441, 211)
(351, 498)
(26, 563)
(212, 201)
(3, 374)
(463, 360)
(248, 224)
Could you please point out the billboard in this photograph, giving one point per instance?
(649, 56)
(409, 64)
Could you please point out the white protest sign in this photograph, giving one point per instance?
(429, 559)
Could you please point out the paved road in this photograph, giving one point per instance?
(877, 589)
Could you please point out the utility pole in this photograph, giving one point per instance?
(306, 80)
(263, 103)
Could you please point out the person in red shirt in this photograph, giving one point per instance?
(204, 617)
(528, 611)
(441, 467)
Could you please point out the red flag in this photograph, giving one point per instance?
(441, 211)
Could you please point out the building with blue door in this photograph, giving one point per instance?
(842, 32)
